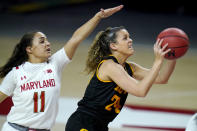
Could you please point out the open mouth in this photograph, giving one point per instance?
(130, 47)
(48, 49)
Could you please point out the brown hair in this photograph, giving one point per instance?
(19, 54)
(100, 47)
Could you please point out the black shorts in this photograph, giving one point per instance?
(80, 121)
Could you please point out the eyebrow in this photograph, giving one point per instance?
(126, 34)
(41, 38)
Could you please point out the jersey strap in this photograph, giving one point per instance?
(107, 58)
(111, 57)
(127, 67)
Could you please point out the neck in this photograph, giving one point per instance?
(120, 58)
(36, 60)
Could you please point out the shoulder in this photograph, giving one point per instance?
(111, 66)
(60, 56)
(12, 73)
(108, 70)
(15, 71)
(16, 68)
(134, 66)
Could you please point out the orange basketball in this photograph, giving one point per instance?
(177, 40)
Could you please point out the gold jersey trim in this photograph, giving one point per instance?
(130, 67)
(97, 72)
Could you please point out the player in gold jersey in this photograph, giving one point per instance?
(114, 78)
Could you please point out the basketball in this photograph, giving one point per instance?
(177, 40)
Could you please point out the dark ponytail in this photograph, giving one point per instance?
(19, 54)
(101, 47)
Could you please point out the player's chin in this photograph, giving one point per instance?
(48, 55)
(131, 52)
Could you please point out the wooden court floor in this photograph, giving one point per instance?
(179, 93)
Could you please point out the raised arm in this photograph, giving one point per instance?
(82, 32)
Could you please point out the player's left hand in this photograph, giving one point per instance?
(104, 13)
(160, 51)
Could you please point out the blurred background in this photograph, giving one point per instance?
(144, 20)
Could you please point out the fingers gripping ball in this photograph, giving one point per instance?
(177, 40)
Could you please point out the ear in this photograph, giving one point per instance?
(113, 46)
(29, 49)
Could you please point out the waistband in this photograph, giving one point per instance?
(94, 114)
(23, 128)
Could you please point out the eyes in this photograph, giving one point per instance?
(126, 37)
(42, 40)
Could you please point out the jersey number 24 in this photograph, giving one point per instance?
(115, 104)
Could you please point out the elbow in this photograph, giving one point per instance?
(141, 91)
(141, 94)
(163, 82)
(144, 94)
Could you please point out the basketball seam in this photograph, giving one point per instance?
(174, 36)
(179, 46)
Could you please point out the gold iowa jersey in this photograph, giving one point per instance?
(104, 99)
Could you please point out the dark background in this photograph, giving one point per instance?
(59, 18)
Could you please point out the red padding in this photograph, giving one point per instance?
(155, 128)
(160, 109)
(5, 106)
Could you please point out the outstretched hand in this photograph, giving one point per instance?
(104, 13)
(160, 51)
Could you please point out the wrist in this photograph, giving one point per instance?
(171, 61)
(98, 16)
(157, 62)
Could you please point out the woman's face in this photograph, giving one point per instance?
(124, 43)
(40, 49)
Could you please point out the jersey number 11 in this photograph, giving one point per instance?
(42, 98)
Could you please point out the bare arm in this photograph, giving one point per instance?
(82, 32)
(166, 72)
(2, 96)
(131, 85)
(116, 73)
(163, 76)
